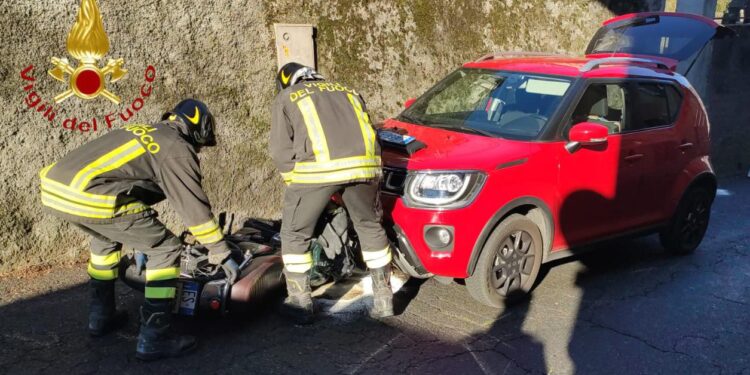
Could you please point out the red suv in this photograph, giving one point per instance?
(524, 159)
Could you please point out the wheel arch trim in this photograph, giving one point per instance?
(508, 209)
(698, 179)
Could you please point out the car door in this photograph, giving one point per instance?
(597, 185)
(654, 109)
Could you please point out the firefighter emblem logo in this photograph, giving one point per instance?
(87, 43)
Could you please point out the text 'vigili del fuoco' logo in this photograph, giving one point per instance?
(88, 43)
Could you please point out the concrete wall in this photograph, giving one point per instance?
(222, 52)
(727, 84)
(705, 8)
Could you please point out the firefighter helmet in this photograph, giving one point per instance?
(200, 121)
(293, 73)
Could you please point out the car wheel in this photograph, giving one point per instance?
(509, 263)
(688, 226)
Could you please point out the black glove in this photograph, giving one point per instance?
(230, 267)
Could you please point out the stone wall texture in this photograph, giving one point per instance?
(222, 52)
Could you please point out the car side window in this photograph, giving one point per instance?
(605, 104)
(674, 99)
(651, 106)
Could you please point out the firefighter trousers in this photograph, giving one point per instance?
(303, 206)
(145, 234)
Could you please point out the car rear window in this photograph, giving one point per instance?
(672, 37)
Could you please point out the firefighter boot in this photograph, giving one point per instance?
(298, 305)
(103, 317)
(155, 340)
(382, 293)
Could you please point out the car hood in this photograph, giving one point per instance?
(453, 150)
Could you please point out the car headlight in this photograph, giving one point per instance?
(443, 189)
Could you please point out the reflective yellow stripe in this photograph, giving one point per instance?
(65, 199)
(152, 292)
(102, 274)
(78, 197)
(76, 209)
(206, 227)
(211, 237)
(298, 268)
(338, 164)
(57, 188)
(287, 176)
(208, 232)
(105, 260)
(368, 134)
(132, 208)
(370, 255)
(377, 259)
(162, 274)
(297, 258)
(72, 211)
(43, 172)
(314, 129)
(83, 209)
(297, 263)
(339, 176)
(108, 162)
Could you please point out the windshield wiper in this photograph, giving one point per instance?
(411, 119)
(464, 128)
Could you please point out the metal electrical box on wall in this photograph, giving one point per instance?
(295, 43)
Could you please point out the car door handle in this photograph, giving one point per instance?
(634, 157)
(685, 146)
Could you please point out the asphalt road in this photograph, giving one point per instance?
(628, 308)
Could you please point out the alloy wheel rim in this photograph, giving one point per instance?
(694, 223)
(513, 263)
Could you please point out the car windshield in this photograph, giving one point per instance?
(490, 103)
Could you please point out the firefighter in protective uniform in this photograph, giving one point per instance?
(323, 143)
(105, 188)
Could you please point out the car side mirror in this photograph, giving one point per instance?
(586, 134)
(409, 102)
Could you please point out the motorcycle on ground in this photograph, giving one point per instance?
(256, 246)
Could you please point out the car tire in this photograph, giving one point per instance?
(509, 263)
(685, 231)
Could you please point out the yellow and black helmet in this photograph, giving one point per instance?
(293, 73)
(200, 121)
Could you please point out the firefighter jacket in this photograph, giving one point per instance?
(321, 134)
(119, 175)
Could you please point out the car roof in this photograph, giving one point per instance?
(611, 66)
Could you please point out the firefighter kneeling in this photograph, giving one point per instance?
(104, 188)
(323, 143)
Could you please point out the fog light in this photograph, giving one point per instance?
(439, 237)
(444, 236)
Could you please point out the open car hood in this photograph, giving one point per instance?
(662, 36)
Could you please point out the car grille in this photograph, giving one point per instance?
(394, 180)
